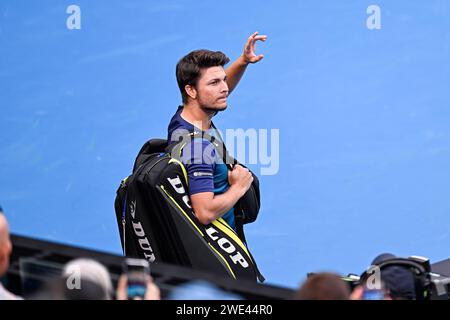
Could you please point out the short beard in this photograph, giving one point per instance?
(213, 111)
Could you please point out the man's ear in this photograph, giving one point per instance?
(191, 92)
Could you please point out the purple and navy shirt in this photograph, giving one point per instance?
(205, 170)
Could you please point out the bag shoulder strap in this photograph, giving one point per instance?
(176, 148)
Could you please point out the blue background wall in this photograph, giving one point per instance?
(364, 120)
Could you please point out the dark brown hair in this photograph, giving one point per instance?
(189, 67)
(323, 286)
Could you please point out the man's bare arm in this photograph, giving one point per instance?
(208, 207)
(236, 70)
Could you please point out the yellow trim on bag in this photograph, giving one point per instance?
(222, 220)
(187, 216)
(232, 235)
(182, 168)
(218, 253)
(224, 260)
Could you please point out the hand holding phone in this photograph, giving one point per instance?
(137, 272)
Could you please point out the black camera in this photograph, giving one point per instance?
(426, 284)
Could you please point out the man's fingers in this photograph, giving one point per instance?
(250, 39)
(250, 46)
(254, 37)
(153, 292)
(123, 281)
(121, 292)
(256, 58)
(258, 38)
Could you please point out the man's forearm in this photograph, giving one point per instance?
(222, 203)
(235, 72)
(208, 207)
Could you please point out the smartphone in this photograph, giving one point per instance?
(137, 272)
(373, 294)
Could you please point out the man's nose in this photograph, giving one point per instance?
(224, 87)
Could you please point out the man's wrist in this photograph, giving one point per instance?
(243, 61)
(237, 190)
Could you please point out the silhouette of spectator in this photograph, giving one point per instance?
(5, 252)
(86, 279)
(323, 286)
(398, 280)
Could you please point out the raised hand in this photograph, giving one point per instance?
(249, 53)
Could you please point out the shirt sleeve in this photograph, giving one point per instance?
(199, 157)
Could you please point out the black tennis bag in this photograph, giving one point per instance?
(156, 221)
